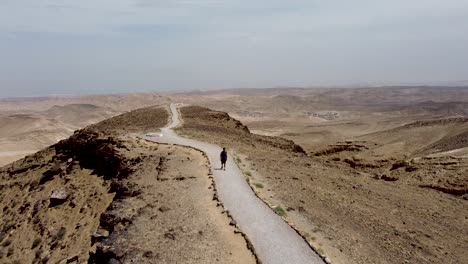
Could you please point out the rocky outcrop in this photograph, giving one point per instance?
(335, 149)
(95, 151)
(458, 191)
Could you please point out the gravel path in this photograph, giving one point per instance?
(274, 240)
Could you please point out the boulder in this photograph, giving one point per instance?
(100, 234)
(58, 197)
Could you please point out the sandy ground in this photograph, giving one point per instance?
(7, 157)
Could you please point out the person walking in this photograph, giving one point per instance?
(223, 157)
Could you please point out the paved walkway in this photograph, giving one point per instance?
(274, 240)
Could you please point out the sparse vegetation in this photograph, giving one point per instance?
(36, 242)
(6, 243)
(258, 185)
(309, 237)
(60, 235)
(320, 251)
(280, 211)
(248, 173)
(10, 251)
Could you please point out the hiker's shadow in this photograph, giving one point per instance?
(218, 169)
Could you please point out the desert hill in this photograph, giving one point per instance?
(138, 121)
(79, 114)
(317, 117)
(30, 124)
(118, 102)
(358, 96)
(450, 143)
(438, 108)
(22, 134)
(105, 196)
(420, 136)
(20, 124)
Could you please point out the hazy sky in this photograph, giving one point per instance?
(101, 46)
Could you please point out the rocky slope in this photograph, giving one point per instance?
(52, 200)
(345, 211)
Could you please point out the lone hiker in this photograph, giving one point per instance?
(223, 159)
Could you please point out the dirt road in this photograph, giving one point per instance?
(274, 241)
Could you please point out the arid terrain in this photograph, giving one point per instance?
(390, 210)
(105, 196)
(365, 175)
(383, 176)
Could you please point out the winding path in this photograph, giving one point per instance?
(274, 240)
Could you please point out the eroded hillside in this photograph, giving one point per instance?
(105, 196)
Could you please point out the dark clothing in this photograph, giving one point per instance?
(223, 156)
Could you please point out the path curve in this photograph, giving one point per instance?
(274, 240)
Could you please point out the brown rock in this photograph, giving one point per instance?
(73, 259)
(148, 254)
(164, 209)
(50, 173)
(119, 251)
(169, 235)
(388, 178)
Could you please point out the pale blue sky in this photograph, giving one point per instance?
(91, 46)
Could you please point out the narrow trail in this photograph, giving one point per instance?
(274, 240)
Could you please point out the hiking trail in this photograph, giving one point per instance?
(274, 240)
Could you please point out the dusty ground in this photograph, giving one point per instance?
(174, 219)
(126, 201)
(354, 216)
